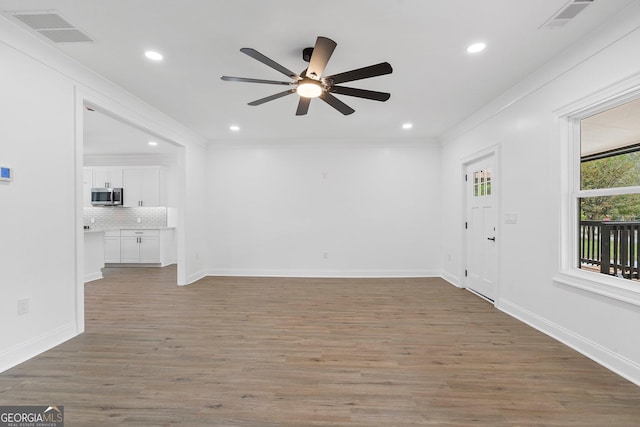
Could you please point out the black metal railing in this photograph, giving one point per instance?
(612, 246)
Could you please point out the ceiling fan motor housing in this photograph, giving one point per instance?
(306, 54)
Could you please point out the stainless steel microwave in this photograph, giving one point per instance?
(107, 197)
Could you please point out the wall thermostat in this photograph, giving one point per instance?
(6, 174)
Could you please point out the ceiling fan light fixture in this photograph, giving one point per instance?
(309, 88)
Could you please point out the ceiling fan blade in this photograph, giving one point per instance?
(361, 93)
(269, 62)
(336, 103)
(272, 97)
(361, 73)
(303, 106)
(247, 80)
(321, 53)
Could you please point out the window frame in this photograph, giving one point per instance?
(570, 155)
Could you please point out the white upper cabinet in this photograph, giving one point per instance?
(142, 187)
(107, 177)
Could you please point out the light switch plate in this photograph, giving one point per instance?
(510, 218)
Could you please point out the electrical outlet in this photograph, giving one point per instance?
(23, 306)
(138, 220)
(93, 220)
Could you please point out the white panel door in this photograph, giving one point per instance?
(482, 259)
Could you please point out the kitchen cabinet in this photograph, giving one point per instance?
(107, 177)
(112, 247)
(142, 187)
(140, 246)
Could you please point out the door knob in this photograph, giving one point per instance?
(493, 239)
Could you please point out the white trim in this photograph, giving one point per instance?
(609, 96)
(79, 212)
(453, 280)
(195, 277)
(615, 362)
(26, 350)
(569, 127)
(324, 273)
(608, 286)
(614, 191)
(93, 276)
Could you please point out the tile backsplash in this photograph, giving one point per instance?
(116, 217)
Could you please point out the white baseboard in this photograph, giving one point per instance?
(166, 264)
(196, 276)
(324, 273)
(451, 279)
(35, 346)
(619, 364)
(93, 276)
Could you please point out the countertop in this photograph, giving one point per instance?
(102, 230)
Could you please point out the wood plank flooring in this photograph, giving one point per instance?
(311, 352)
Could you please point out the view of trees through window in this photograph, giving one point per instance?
(609, 192)
(611, 172)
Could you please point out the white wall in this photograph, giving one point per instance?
(371, 206)
(36, 262)
(195, 223)
(523, 123)
(42, 92)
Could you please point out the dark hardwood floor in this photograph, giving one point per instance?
(311, 352)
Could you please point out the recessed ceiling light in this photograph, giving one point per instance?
(154, 56)
(476, 47)
(234, 128)
(407, 126)
(153, 143)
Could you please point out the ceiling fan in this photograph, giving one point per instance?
(311, 84)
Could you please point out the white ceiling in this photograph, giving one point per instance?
(106, 136)
(435, 83)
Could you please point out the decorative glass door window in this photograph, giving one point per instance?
(482, 183)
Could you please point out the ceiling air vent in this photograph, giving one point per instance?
(53, 26)
(566, 13)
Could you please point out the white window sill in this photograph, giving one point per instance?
(601, 284)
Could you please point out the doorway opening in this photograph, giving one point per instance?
(112, 140)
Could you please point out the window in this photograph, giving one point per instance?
(608, 197)
(482, 183)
